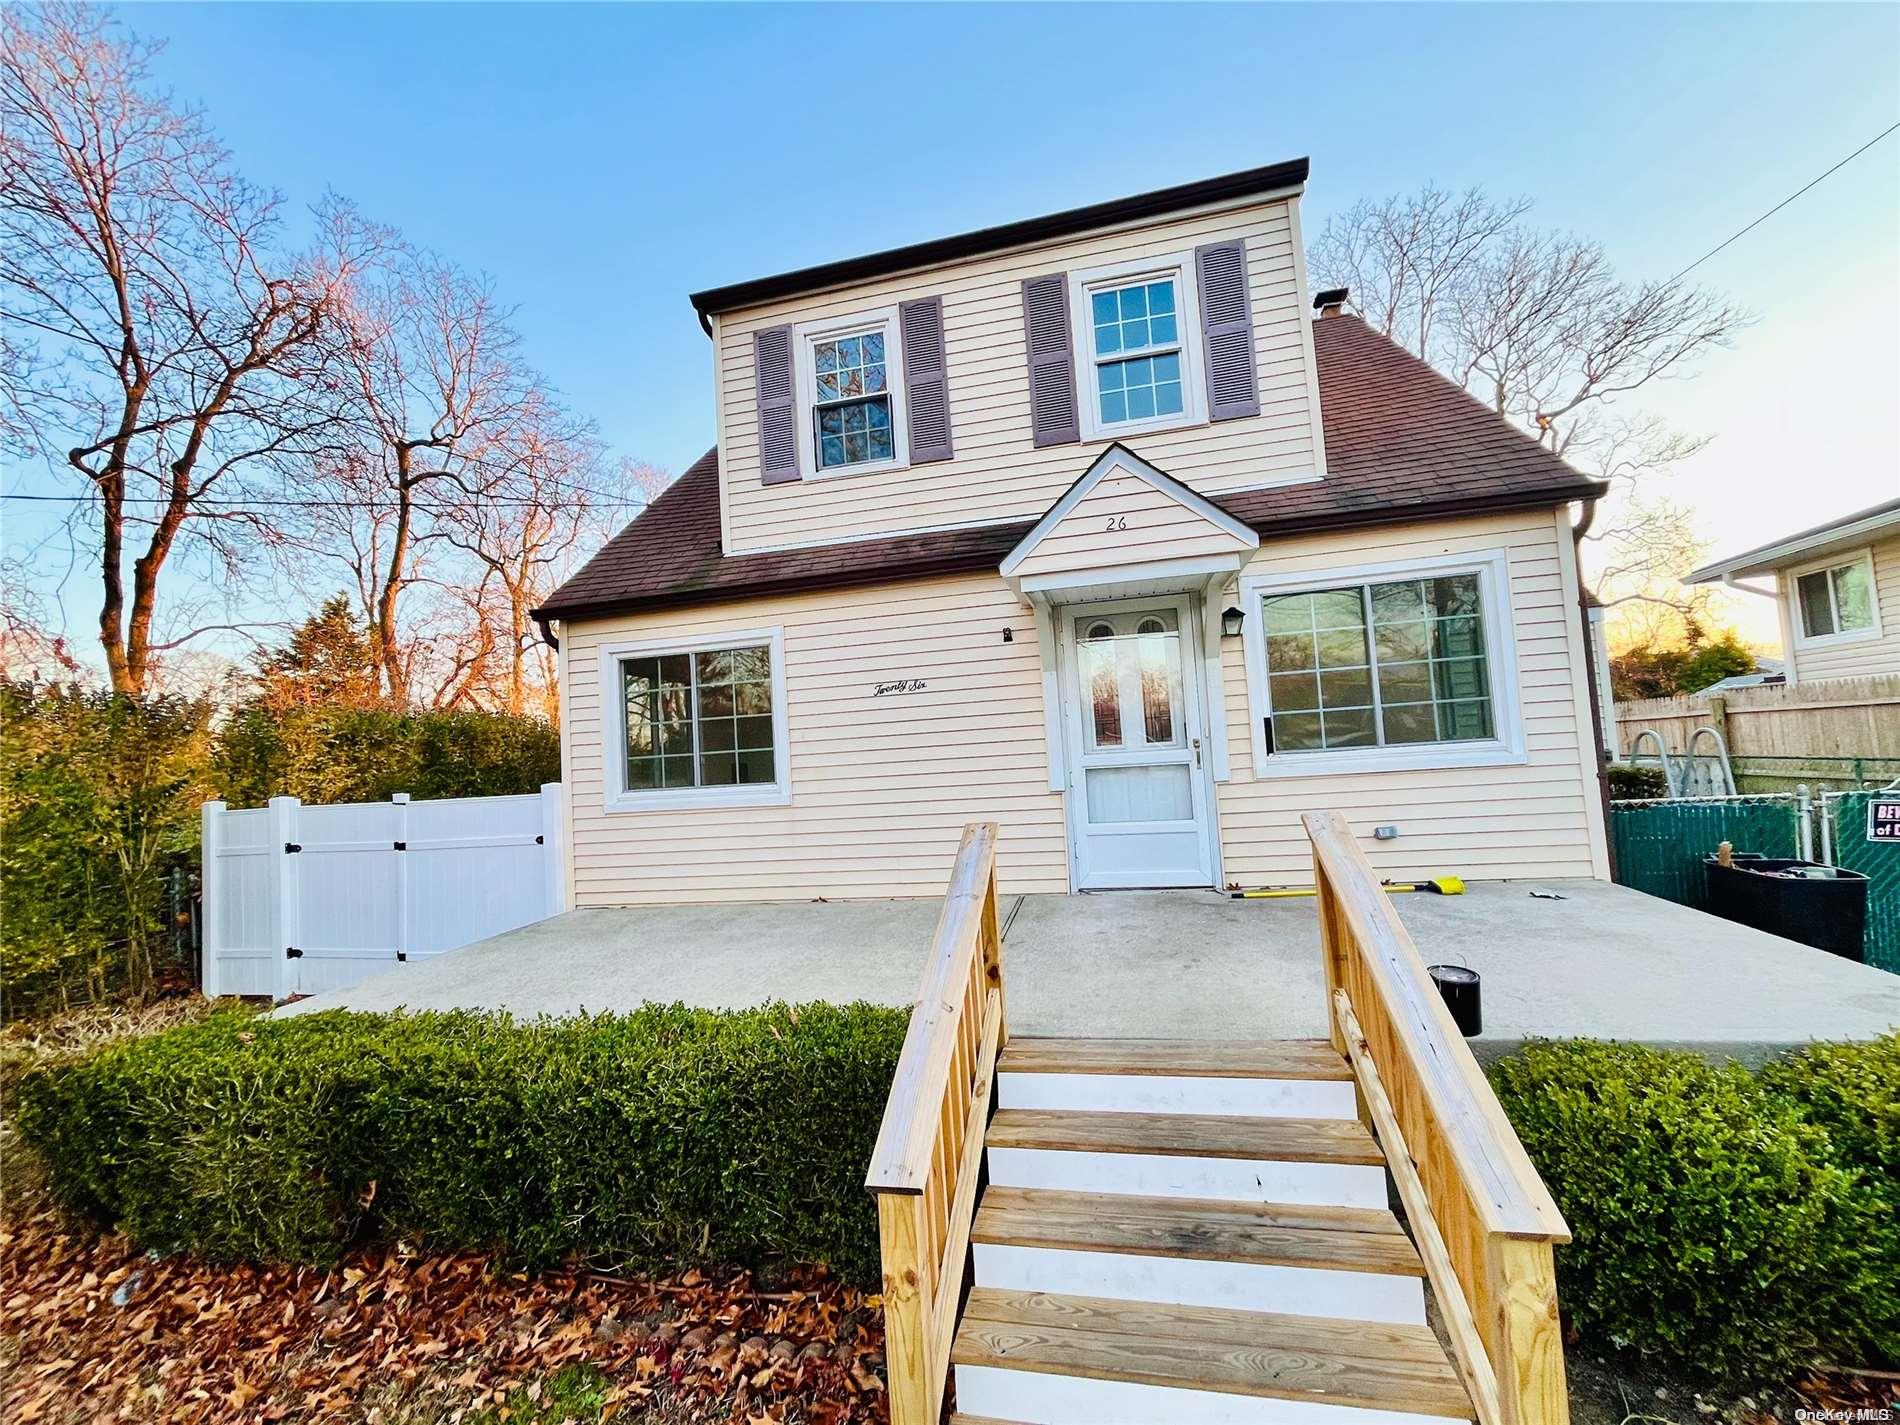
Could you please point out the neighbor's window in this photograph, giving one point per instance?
(1377, 665)
(1136, 334)
(1836, 600)
(851, 409)
(699, 719)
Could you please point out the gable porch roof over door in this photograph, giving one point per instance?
(1125, 527)
(1126, 530)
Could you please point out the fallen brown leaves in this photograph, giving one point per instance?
(95, 1330)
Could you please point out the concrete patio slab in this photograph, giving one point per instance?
(1603, 960)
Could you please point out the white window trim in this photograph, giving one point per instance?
(804, 365)
(613, 726)
(1492, 566)
(1179, 266)
(1798, 622)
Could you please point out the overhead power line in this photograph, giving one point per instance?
(306, 503)
(1785, 202)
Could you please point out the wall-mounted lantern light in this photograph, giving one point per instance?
(1009, 635)
(1230, 622)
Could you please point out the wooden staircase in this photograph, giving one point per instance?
(1191, 1232)
(1127, 1232)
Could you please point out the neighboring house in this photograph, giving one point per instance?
(1083, 525)
(1837, 587)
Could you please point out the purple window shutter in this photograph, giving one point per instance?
(1052, 411)
(926, 385)
(778, 409)
(1227, 330)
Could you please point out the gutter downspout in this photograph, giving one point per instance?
(543, 622)
(1577, 533)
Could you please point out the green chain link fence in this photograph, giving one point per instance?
(1879, 862)
(1660, 845)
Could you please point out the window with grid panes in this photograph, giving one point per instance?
(699, 719)
(852, 409)
(1378, 665)
(1136, 333)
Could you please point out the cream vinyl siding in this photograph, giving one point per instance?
(881, 785)
(1125, 520)
(1863, 658)
(1539, 819)
(997, 474)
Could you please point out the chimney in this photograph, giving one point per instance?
(1331, 302)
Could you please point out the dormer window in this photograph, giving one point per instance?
(850, 394)
(1137, 343)
(852, 410)
(1137, 351)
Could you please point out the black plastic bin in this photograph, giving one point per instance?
(1818, 905)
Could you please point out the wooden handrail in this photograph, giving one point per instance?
(1488, 1220)
(929, 1151)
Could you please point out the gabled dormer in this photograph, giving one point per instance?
(966, 381)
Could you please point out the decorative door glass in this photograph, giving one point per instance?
(1132, 708)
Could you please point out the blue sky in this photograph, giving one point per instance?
(602, 161)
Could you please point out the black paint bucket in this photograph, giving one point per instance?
(1458, 986)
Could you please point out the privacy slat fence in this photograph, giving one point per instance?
(1660, 847)
(1850, 847)
(300, 899)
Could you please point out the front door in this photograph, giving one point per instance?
(1138, 795)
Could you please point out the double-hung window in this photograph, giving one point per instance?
(1408, 667)
(1137, 337)
(1837, 600)
(700, 721)
(1136, 331)
(851, 411)
(850, 387)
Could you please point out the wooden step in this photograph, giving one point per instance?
(1191, 1058)
(1278, 1234)
(1115, 1355)
(1239, 1256)
(1282, 1140)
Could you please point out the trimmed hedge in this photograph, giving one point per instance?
(1719, 1222)
(665, 1136)
(345, 754)
(1853, 1092)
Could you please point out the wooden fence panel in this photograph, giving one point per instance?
(1836, 718)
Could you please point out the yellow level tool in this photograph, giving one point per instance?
(1438, 885)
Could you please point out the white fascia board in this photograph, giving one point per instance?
(1849, 533)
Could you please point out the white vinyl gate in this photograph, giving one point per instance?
(301, 899)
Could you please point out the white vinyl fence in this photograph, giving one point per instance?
(301, 899)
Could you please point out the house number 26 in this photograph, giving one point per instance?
(1117, 523)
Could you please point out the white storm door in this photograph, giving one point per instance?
(1138, 795)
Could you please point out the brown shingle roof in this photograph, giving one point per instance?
(1402, 443)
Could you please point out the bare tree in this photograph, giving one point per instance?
(432, 379)
(1405, 257)
(541, 494)
(171, 346)
(1538, 325)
